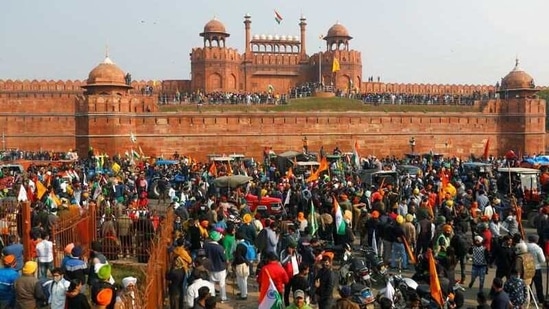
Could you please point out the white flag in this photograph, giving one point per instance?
(133, 139)
(374, 242)
(22, 197)
(287, 200)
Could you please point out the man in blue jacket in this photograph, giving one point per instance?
(8, 275)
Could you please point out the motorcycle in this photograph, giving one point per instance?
(407, 291)
(342, 253)
(378, 270)
(354, 270)
(362, 296)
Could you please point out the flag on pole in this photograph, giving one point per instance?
(290, 174)
(278, 17)
(115, 167)
(436, 291)
(133, 139)
(341, 225)
(356, 155)
(213, 169)
(411, 255)
(40, 189)
(269, 298)
(335, 65)
(486, 149)
(22, 197)
(229, 169)
(324, 165)
(288, 195)
(314, 222)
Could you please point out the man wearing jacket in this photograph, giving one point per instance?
(216, 254)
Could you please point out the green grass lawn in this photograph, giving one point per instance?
(120, 271)
(316, 105)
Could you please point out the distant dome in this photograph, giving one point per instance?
(517, 79)
(214, 26)
(107, 74)
(283, 38)
(263, 37)
(338, 30)
(277, 37)
(256, 37)
(296, 38)
(269, 37)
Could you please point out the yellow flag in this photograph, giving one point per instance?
(55, 199)
(335, 65)
(115, 167)
(40, 190)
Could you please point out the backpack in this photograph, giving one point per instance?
(46, 286)
(528, 266)
(460, 244)
(251, 254)
(261, 240)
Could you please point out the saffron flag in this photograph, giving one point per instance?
(269, 298)
(290, 174)
(314, 222)
(229, 169)
(324, 166)
(486, 149)
(335, 65)
(409, 251)
(278, 17)
(341, 225)
(40, 190)
(213, 169)
(436, 291)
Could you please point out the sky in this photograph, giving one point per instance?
(401, 41)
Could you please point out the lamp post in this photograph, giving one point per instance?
(412, 143)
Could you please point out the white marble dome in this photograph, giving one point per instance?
(283, 38)
(263, 37)
(256, 36)
(277, 37)
(269, 37)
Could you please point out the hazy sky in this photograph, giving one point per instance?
(416, 41)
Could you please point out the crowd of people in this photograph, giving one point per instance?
(218, 237)
(427, 99)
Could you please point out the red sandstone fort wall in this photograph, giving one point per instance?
(378, 133)
(38, 121)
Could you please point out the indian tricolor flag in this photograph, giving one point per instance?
(269, 298)
(341, 225)
(278, 17)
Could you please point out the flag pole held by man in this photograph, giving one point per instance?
(269, 297)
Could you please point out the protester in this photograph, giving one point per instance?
(58, 287)
(28, 291)
(299, 301)
(8, 276)
(324, 284)
(74, 298)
